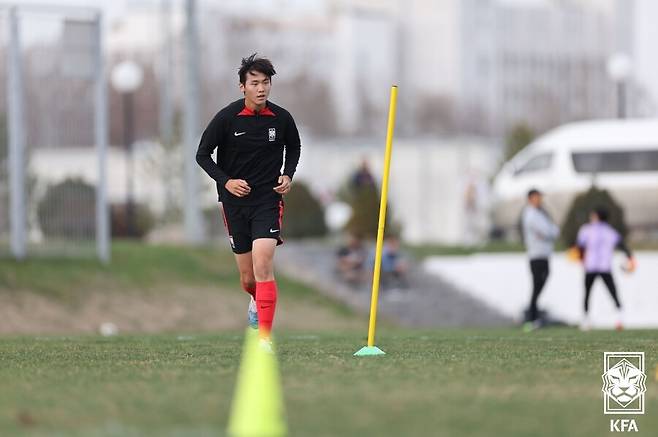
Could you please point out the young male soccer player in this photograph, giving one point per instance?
(250, 136)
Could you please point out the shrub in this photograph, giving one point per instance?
(517, 139)
(68, 210)
(213, 221)
(144, 220)
(304, 215)
(365, 213)
(580, 209)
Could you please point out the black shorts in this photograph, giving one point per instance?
(244, 224)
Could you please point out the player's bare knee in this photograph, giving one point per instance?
(263, 271)
(265, 275)
(248, 283)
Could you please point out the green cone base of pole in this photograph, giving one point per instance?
(368, 351)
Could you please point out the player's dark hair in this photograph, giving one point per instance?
(254, 63)
(602, 213)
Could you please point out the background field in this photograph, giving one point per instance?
(179, 380)
(147, 289)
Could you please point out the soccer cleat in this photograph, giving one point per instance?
(252, 314)
(585, 324)
(531, 326)
(265, 344)
(619, 323)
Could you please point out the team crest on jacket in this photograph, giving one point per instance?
(272, 134)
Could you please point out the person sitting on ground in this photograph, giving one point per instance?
(394, 265)
(351, 259)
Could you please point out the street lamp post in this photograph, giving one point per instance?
(126, 79)
(619, 70)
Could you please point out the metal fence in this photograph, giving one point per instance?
(53, 194)
(4, 152)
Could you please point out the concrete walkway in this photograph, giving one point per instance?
(503, 281)
(428, 302)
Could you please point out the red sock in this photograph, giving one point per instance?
(251, 290)
(266, 304)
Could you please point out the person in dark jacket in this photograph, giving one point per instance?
(252, 135)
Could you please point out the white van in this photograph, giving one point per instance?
(620, 156)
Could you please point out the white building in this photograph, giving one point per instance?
(551, 62)
(501, 62)
(462, 65)
(333, 58)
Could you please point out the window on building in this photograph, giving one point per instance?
(626, 161)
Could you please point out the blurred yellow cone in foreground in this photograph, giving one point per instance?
(257, 409)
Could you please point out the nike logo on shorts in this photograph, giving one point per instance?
(273, 230)
(237, 134)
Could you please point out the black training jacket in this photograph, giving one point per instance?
(250, 146)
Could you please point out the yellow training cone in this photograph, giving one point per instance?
(257, 409)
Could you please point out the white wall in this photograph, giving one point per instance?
(427, 182)
(52, 166)
(645, 62)
(427, 187)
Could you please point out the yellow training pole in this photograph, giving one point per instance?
(371, 349)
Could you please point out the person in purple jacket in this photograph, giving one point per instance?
(597, 241)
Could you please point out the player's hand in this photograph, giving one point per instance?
(630, 265)
(238, 187)
(284, 185)
(574, 254)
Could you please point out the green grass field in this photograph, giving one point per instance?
(446, 382)
(180, 382)
(147, 289)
